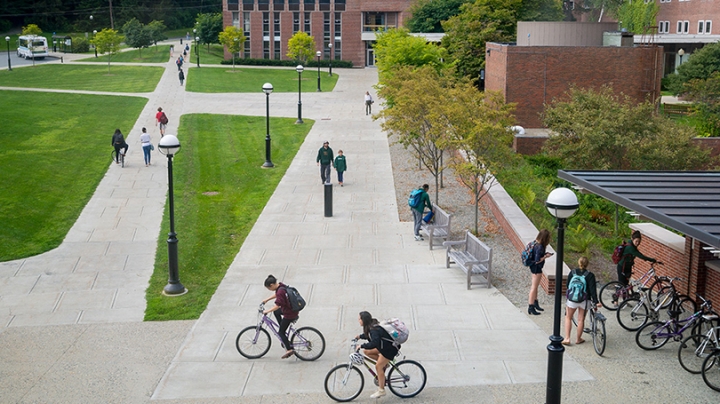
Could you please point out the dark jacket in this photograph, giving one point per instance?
(325, 156)
(118, 138)
(340, 163)
(590, 283)
(537, 253)
(380, 339)
(424, 201)
(628, 259)
(281, 300)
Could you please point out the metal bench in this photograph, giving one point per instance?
(472, 256)
(439, 226)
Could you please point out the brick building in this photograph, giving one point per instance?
(347, 25)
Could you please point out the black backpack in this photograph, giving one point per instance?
(297, 302)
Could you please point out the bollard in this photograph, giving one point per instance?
(328, 199)
(61, 60)
(180, 41)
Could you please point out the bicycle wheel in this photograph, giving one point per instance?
(598, 335)
(253, 344)
(659, 288)
(647, 338)
(114, 157)
(711, 371)
(122, 160)
(610, 297)
(703, 326)
(693, 351)
(308, 343)
(632, 314)
(344, 383)
(407, 379)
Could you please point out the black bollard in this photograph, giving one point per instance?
(328, 199)
(180, 41)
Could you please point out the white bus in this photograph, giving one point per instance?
(32, 46)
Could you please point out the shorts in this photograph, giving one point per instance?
(574, 305)
(162, 125)
(535, 269)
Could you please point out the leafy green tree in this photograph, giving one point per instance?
(427, 15)
(108, 42)
(597, 130)
(157, 31)
(137, 35)
(396, 47)
(699, 66)
(209, 26)
(33, 31)
(706, 95)
(598, 8)
(233, 39)
(301, 47)
(636, 16)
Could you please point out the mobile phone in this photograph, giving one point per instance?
(550, 253)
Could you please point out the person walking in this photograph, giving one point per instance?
(538, 262)
(590, 295)
(146, 145)
(368, 103)
(379, 347)
(340, 166)
(181, 76)
(118, 142)
(419, 209)
(325, 160)
(161, 120)
(630, 252)
(179, 63)
(286, 316)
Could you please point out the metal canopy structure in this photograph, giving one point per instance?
(685, 201)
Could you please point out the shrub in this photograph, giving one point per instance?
(289, 63)
(80, 44)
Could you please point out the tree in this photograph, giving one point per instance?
(209, 26)
(597, 130)
(396, 47)
(706, 95)
(301, 47)
(108, 41)
(427, 15)
(137, 35)
(33, 31)
(637, 16)
(232, 38)
(699, 66)
(157, 31)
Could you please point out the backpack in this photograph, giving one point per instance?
(396, 329)
(297, 302)
(415, 198)
(527, 253)
(618, 253)
(577, 288)
(163, 119)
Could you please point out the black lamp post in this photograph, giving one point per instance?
(318, 54)
(94, 45)
(197, 50)
(330, 59)
(561, 203)
(267, 89)
(170, 145)
(7, 40)
(300, 70)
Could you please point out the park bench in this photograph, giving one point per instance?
(676, 109)
(439, 227)
(472, 256)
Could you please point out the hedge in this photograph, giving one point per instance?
(289, 63)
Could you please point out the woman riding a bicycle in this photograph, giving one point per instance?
(630, 252)
(288, 315)
(380, 347)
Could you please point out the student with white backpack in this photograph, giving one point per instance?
(581, 290)
(382, 347)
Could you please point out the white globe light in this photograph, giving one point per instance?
(562, 203)
(169, 145)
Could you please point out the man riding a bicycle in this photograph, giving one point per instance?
(287, 317)
(118, 141)
(379, 348)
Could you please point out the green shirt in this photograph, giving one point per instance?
(629, 254)
(424, 201)
(340, 163)
(325, 156)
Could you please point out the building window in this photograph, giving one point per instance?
(276, 48)
(293, 5)
(263, 5)
(309, 5)
(236, 19)
(663, 27)
(326, 35)
(276, 24)
(296, 22)
(266, 26)
(704, 27)
(246, 29)
(373, 21)
(249, 5)
(339, 5)
(338, 25)
(683, 27)
(266, 49)
(664, 1)
(232, 5)
(308, 23)
(279, 5)
(708, 27)
(324, 5)
(701, 27)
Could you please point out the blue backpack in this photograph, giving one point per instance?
(415, 198)
(527, 253)
(577, 288)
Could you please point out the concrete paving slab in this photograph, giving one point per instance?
(226, 379)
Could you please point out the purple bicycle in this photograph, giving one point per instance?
(254, 341)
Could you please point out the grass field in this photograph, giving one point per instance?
(220, 190)
(51, 160)
(207, 57)
(122, 79)
(245, 80)
(153, 54)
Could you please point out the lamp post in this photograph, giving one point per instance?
(300, 70)
(197, 50)
(94, 45)
(330, 60)
(170, 145)
(561, 203)
(7, 40)
(681, 53)
(267, 89)
(318, 54)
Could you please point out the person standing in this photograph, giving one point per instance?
(630, 252)
(340, 166)
(590, 296)
(161, 120)
(418, 210)
(325, 160)
(118, 142)
(538, 262)
(181, 76)
(179, 63)
(368, 103)
(288, 315)
(146, 145)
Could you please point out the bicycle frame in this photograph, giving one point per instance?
(673, 323)
(642, 282)
(368, 360)
(265, 320)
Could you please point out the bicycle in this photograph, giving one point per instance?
(596, 329)
(115, 157)
(656, 334)
(406, 378)
(695, 348)
(711, 370)
(639, 310)
(612, 294)
(254, 341)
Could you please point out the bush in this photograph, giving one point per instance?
(289, 63)
(80, 44)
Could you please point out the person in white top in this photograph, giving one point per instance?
(146, 146)
(368, 103)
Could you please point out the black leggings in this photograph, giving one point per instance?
(623, 277)
(123, 146)
(284, 324)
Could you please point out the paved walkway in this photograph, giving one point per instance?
(362, 258)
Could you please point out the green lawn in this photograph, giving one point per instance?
(153, 54)
(51, 160)
(245, 80)
(122, 79)
(220, 190)
(213, 56)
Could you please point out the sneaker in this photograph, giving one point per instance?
(419, 238)
(378, 394)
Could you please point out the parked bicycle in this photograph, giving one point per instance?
(695, 348)
(254, 341)
(635, 312)
(405, 378)
(614, 293)
(711, 370)
(656, 334)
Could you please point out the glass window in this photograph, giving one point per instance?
(679, 27)
(308, 23)
(266, 49)
(338, 25)
(279, 5)
(337, 48)
(686, 27)
(293, 5)
(233, 5)
(309, 5)
(276, 48)
(276, 24)
(249, 5)
(296, 22)
(701, 26)
(263, 5)
(236, 19)
(339, 5)
(324, 5)
(266, 24)
(708, 27)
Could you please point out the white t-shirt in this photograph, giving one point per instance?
(145, 139)
(368, 97)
